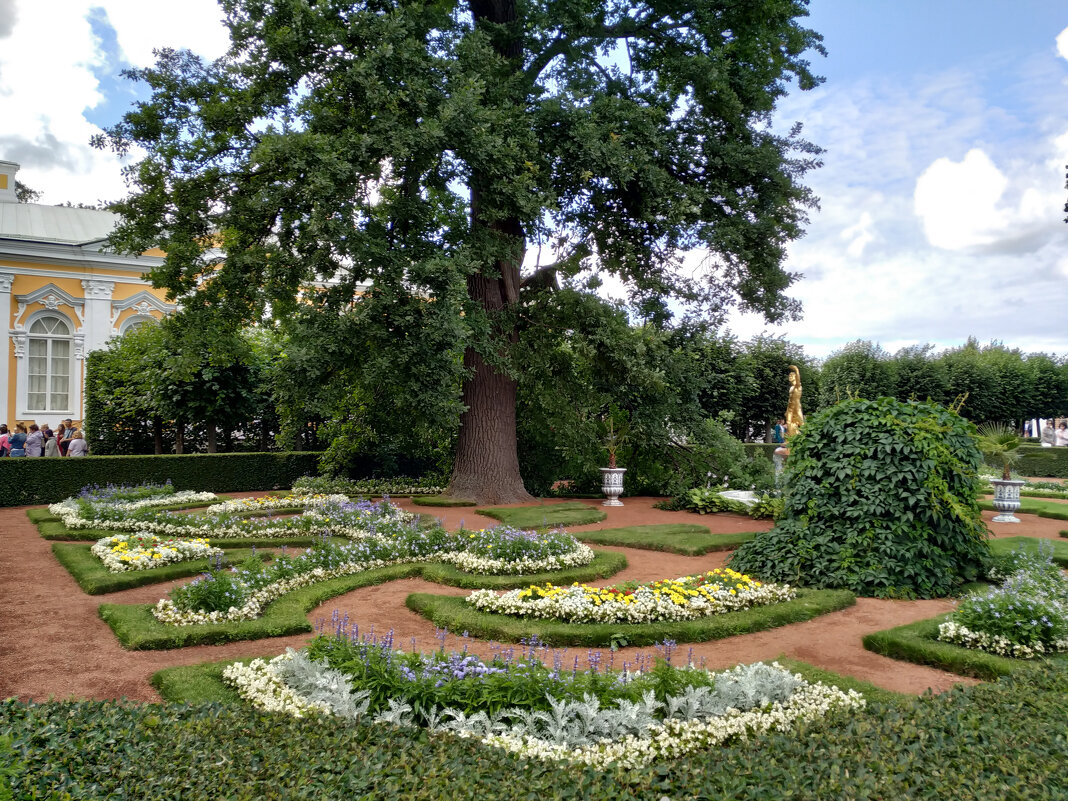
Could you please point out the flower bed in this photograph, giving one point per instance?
(335, 515)
(1025, 617)
(124, 552)
(242, 594)
(85, 513)
(596, 717)
(686, 598)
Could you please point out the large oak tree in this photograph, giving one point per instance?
(423, 147)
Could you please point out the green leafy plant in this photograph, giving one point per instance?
(880, 498)
(1000, 446)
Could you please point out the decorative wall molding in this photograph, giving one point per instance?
(6, 280)
(143, 303)
(97, 289)
(51, 297)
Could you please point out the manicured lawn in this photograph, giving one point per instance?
(438, 500)
(1034, 506)
(548, 515)
(682, 538)
(1009, 544)
(456, 614)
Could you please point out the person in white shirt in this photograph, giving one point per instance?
(1061, 437)
(78, 445)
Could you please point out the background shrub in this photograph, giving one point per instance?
(880, 498)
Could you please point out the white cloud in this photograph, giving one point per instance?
(143, 26)
(859, 236)
(47, 84)
(958, 201)
(1062, 43)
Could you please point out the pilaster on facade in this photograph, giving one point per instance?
(97, 312)
(7, 280)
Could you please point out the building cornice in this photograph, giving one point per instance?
(73, 255)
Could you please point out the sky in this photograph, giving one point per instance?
(942, 190)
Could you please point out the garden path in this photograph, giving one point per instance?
(53, 644)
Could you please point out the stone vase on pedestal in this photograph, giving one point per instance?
(612, 485)
(1006, 499)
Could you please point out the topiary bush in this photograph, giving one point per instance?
(880, 499)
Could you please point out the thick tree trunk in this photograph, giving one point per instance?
(212, 447)
(486, 469)
(179, 437)
(157, 434)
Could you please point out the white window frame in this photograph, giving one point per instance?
(22, 375)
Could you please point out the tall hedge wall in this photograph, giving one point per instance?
(1039, 462)
(34, 481)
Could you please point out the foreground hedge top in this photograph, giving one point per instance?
(964, 744)
(880, 499)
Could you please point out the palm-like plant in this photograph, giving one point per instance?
(1000, 446)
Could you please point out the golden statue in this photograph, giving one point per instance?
(795, 418)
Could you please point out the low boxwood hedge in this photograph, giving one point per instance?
(138, 630)
(987, 743)
(918, 642)
(95, 579)
(456, 614)
(37, 481)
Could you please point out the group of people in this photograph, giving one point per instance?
(1055, 436)
(34, 440)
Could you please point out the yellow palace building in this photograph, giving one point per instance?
(62, 295)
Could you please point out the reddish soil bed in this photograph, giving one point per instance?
(53, 644)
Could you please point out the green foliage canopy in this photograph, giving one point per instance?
(422, 146)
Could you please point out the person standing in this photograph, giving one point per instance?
(1061, 437)
(4, 437)
(778, 433)
(78, 446)
(35, 441)
(17, 441)
(67, 430)
(1049, 436)
(51, 445)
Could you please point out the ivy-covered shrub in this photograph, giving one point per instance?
(880, 499)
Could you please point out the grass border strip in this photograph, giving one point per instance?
(56, 531)
(538, 516)
(137, 630)
(456, 615)
(687, 539)
(95, 579)
(917, 642)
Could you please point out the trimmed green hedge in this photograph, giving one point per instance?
(456, 614)
(36, 481)
(1039, 462)
(992, 742)
(918, 642)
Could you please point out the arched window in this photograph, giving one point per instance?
(50, 347)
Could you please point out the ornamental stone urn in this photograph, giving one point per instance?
(612, 485)
(1006, 499)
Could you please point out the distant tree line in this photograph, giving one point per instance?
(390, 405)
